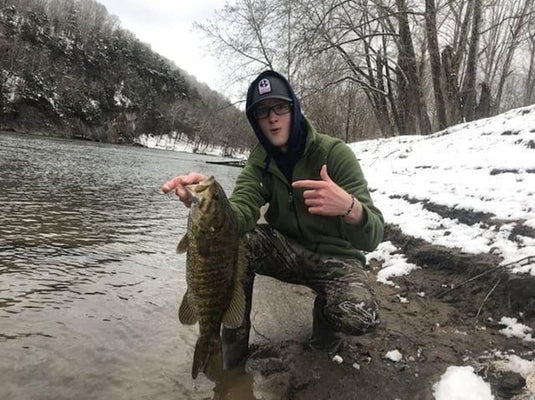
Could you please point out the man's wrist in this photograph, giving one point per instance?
(350, 208)
(355, 216)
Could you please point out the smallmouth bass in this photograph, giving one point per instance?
(215, 264)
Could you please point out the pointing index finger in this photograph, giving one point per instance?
(308, 184)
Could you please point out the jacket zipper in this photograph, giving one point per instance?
(291, 200)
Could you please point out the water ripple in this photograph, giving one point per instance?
(89, 277)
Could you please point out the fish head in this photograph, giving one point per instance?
(208, 201)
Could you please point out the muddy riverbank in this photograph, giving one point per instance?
(430, 316)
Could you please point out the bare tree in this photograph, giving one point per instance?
(385, 51)
(468, 91)
(516, 27)
(529, 92)
(253, 35)
(410, 86)
(434, 57)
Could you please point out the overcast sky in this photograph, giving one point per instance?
(167, 26)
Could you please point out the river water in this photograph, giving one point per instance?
(89, 278)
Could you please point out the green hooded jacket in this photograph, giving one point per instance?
(287, 211)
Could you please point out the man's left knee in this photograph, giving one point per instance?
(354, 318)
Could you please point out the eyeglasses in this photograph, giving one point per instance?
(262, 112)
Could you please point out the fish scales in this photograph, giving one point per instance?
(214, 266)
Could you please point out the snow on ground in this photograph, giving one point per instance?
(515, 329)
(394, 264)
(11, 83)
(180, 142)
(514, 363)
(394, 355)
(461, 383)
(486, 166)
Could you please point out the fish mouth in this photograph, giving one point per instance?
(202, 185)
(192, 194)
(198, 188)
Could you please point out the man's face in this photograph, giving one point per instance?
(274, 118)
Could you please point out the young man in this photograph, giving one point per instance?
(320, 217)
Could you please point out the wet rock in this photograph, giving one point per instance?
(521, 292)
(337, 359)
(522, 230)
(267, 366)
(497, 171)
(509, 384)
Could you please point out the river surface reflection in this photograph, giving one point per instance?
(89, 278)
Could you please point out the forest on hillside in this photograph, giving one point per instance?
(368, 68)
(69, 69)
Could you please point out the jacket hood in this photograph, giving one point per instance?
(298, 131)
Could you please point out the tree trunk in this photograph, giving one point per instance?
(484, 107)
(459, 47)
(382, 104)
(468, 99)
(349, 112)
(530, 80)
(383, 119)
(515, 33)
(453, 108)
(411, 97)
(434, 58)
(377, 100)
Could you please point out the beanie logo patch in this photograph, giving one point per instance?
(264, 86)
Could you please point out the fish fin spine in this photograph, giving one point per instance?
(182, 245)
(187, 313)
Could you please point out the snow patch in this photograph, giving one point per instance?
(11, 85)
(516, 364)
(337, 359)
(515, 329)
(393, 264)
(461, 383)
(120, 99)
(394, 355)
(485, 166)
(180, 142)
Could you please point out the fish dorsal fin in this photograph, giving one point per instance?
(187, 314)
(233, 317)
(182, 245)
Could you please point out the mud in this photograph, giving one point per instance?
(438, 316)
(470, 217)
(467, 217)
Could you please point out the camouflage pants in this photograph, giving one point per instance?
(343, 298)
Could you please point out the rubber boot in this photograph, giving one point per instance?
(323, 336)
(235, 346)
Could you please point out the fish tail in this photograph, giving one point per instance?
(207, 357)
